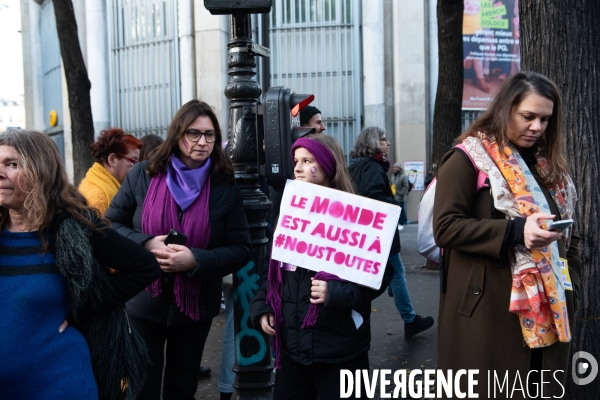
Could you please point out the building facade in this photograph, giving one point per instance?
(12, 114)
(367, 63)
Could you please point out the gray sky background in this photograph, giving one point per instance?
(11, 63)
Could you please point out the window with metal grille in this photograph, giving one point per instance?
(468, 117)
(144, 65)
(315, 47)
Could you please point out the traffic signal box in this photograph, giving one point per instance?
(281, 119)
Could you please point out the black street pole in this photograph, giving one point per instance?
(253, 365)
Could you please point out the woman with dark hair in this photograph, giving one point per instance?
(368, 168)
(53, 249)
(115, 153)
(149, 143)
(509, 303)
(187, 185)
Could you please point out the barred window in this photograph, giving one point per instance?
(144, 65)
(315, 47)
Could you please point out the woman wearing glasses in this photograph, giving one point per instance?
(186, 185)
(115, 153)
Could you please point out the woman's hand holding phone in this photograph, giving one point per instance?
(560, 226)
(156, 243)
(535, 237)
(171, 257)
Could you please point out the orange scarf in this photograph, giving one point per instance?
(537, 295)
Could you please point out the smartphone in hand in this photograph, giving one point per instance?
(560, 226)
(175, 237)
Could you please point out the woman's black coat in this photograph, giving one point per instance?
(228, 249)
(372, 182)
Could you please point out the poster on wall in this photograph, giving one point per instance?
(415, 172)
(491, 49)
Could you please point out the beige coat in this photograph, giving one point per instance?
(476, 330)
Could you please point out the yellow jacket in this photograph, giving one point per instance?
(99, 187)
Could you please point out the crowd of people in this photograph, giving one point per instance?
(110, 289)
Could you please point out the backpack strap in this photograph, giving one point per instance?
(482, 178)
(462, 150)
(482, 182)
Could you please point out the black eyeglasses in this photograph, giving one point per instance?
(194, 135)
(131, 160)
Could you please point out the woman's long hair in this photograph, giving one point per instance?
(185, 116)
(47, 186)
(367, 143)
(341, 180)
(495, 121)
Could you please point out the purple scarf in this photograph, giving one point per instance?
(274, 295)
(185, 184)
(159, 215)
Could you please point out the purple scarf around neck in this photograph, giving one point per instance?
(185, 184)
(160, 214)
(274, 296)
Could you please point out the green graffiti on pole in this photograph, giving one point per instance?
(247, 286)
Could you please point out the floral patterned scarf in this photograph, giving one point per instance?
(538, 295)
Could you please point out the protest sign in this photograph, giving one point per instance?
(323, 229)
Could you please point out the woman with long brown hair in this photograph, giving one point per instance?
(509, 283)
(187, 186)
(53, 253)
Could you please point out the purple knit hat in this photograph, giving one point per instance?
(322, 154)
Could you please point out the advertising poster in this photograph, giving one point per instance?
(415, 170)
(491, 49)
(323, 229)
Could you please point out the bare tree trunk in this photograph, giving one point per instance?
(447, 123)
(561, 39)
(78, 87)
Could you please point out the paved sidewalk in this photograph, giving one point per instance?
(389, 349)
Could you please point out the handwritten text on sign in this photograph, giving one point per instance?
(323, 229)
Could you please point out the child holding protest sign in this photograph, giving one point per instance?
(320, 323)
